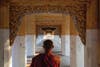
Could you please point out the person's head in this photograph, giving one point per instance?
(48, 45)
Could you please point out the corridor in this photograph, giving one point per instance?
(72, 25)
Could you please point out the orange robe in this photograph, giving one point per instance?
(44, 60)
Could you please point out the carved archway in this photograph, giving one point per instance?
(77, 11)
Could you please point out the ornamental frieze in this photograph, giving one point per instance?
(78, 12)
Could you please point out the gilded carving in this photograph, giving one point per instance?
(77, 11)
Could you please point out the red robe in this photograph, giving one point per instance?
(44, 60)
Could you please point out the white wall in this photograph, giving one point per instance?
(5, 49)
(79, 52)
(72, 51)
(65, 45)
(56, 42)
(91, 48)
(30, 45)
(18, 52)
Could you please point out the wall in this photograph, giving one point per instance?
(4, 17)
(29, 23)
(92, 48)
(30, 45)
(79, 52)
(76, 51)
(92, 42)
(99, 30)
(72, 51)
(18, 52)
(1, 48)
(5, 49)
(65, 45)
(76, 47)
(65, 37)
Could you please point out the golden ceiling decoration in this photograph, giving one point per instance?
(76, 10)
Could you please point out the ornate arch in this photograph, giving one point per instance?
(77, 11)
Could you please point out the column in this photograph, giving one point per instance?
(92, 48)
(18, 52)
(5, 49)
(30, 45)
(30, 34)
(79, 52)
(99, 32)
(73, 51)
(99, 46)
(65, 37)
(1, 48)
(65, 45)
(76, 51)
(92, 45)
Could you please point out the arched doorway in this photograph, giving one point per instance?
(70, 41)
(22, 12)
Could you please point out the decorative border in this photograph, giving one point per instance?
(77, 11)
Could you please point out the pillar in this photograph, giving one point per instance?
(79, 52)
(92, 48)
(99, 30)
(92, 45)
(5, 49)
(73, 51)
(99, 48)
(76, 51)
(65, 45)
(30, 34)
(18, 52)
(65, 37)
(1, 49)
(30, 45)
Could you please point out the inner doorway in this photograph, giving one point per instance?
(51, 32)
(68, 42)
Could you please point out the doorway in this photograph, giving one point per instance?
(69, 48)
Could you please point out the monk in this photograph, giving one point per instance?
(46, 59)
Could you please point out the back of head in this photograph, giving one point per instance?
(48, 44)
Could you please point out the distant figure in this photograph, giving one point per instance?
(46, 59)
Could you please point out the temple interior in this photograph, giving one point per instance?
(72, 25)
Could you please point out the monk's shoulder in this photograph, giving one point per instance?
(37, 57)
(56, 58)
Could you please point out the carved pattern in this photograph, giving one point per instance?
(78, 11)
